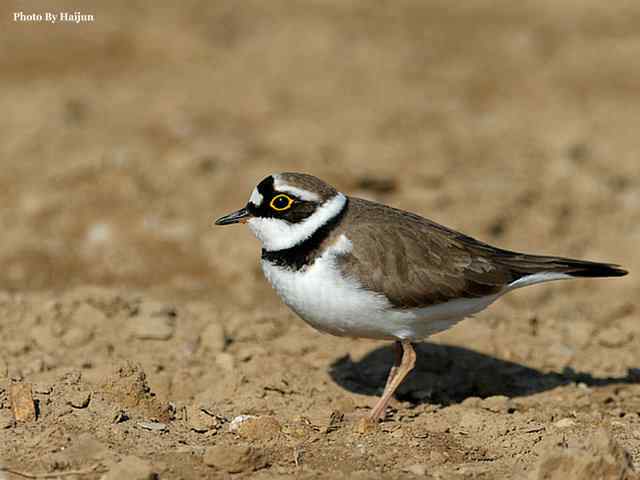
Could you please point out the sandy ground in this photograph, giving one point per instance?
(145, 334)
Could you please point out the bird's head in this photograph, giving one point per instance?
(287, 208)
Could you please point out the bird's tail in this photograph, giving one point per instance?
(581, 268)
(530, 269)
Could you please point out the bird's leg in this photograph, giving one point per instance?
(406, 365)
(397, 360)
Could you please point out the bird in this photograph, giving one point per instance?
(356, 268)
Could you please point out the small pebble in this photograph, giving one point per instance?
(564, 423)
(80, 399)
(200, 420)
(21, 395)
(237, 421)
(153, 426)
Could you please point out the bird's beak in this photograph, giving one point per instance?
(240, 216)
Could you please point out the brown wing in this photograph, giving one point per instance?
(416, 262)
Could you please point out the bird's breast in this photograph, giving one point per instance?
(334, 302)
(329, 301)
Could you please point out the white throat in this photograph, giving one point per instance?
(276, 234)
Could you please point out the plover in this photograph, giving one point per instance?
(356, 268)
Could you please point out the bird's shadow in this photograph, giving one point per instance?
(446, 374)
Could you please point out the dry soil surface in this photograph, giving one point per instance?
(150, 342)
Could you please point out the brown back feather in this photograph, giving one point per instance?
(415, 262)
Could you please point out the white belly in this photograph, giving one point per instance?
(340, 306)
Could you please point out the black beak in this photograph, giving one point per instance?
(236, 217)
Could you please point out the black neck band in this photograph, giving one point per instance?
(304, 253)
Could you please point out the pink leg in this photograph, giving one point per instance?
(396, 376)
(397, 360)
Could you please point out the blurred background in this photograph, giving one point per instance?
(123, 138)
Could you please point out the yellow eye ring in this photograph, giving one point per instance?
(278, 205)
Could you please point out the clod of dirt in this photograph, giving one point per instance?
(24, 408)
(213, 337)
(237, 421)
(154, 426)
(154, 322)
(128, 384)
(200, 420)
(256, 428)
(235, 458)
(326, 421)
(365, 425)
(131, 468)
(600, 458)
(299, 428)
(497, 404)
(128, 387)
(80, 399)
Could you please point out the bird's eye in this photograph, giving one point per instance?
(281, 202)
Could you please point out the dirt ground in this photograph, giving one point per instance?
(152, 343)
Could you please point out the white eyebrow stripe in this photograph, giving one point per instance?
(256, 197)
(276, 234)
(280, 186)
